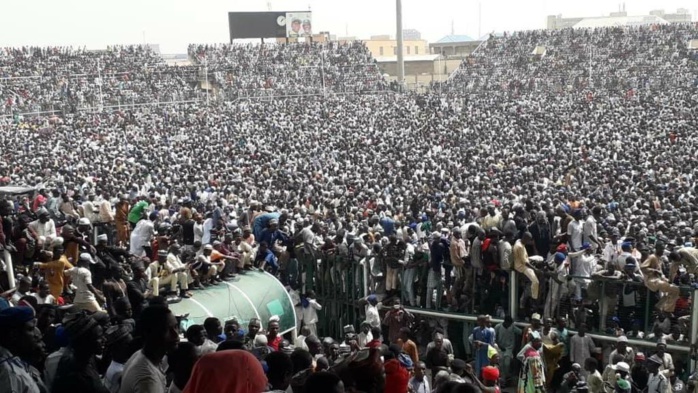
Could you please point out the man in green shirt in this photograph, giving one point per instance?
(137, 212)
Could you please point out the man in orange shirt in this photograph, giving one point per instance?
(408, 346)
(54, 271)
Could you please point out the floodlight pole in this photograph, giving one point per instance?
(206, 76)
(400, 48)
(99, 76)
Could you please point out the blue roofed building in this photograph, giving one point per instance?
(454, 45)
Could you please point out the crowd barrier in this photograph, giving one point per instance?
(341, 283)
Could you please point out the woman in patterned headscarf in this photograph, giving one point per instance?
(532, 374)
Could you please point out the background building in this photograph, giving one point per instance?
(619, 18)
(454, 46)
(385, 45)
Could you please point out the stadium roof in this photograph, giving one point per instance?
(620, 21)
(390, 59)
(451, 39)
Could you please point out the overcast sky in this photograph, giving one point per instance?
(175, 23)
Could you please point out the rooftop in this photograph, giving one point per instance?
(390, 59)
(449, 39)
(611, 21)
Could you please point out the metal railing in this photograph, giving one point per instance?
(340, 287)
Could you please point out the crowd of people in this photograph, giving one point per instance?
(251, 70)
(67, 79)
(581, 200)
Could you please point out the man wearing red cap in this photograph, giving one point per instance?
(490, 378)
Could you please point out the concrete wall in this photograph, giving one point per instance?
(389, 47)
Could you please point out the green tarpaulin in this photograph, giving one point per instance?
(249, 295)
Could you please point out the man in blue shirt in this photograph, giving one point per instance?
(388, 224)
(261, 222)
(266, 258)
(272, 234)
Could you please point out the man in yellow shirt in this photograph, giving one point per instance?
(54, 270)
(521, 263)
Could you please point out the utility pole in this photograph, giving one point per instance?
(99, 77)
(479, 20)
(208, 87)
(591, 84)
(400, 48)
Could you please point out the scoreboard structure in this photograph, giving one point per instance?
(270, 24)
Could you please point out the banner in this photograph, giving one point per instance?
(299, 24)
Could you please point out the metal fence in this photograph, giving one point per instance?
(342, 281)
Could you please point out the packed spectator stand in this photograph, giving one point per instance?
(528, 195)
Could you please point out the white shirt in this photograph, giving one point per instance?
(49, 299)
(364, 339)
(207, 347)
(17, 296)
(589, 230)
(658, 383)
(112, 378)
(611, 252)
(142, 376)
(574, 231)
(206, 237)
(46, 229)
(310, 312)
(141, 236)
(82, 277)
(51, 365)
(372, 315)
(668, 364)
(173, 263)
(586, 265)
(300, 342)
(198, 232)
(419, 386)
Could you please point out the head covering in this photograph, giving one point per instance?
(102, 238)
(560, 257)
(87, 257)
(233, 371)
(84, 221)
(491, 352)
(535, 316)
(622, 366)
(116, 333)
(622, 339)
(79, 325)
(490, 373)
(640, 357)
(405, 360)
(16, 316)
(656, 359)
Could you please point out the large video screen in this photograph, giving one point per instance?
(270, 24)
